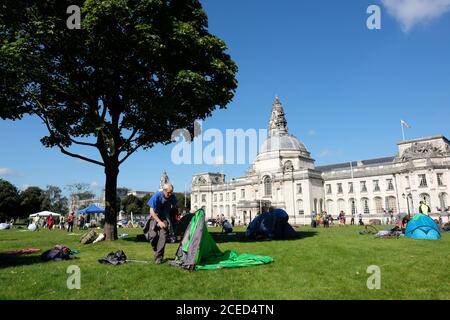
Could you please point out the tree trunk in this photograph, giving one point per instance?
(111, 210)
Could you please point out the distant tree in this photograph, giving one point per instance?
(31, 200)
(145, 208)
(132, 204)
(9, 200)
(135, 72)
(54, 201)
(181, 200)
(81, 190)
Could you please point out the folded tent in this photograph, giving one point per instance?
(199, 251)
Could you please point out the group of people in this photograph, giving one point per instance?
(326, 219)
(50, 222)
(45, 222)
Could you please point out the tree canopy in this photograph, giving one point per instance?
(135, 72)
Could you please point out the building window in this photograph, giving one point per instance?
(215, 197)
(391, 204)
(329, 189)
(350, 187)
(379, 205)
(301, 210)
(227, 197)
(365, 203)
(267, 186)
(423, 181)
(196, 198)
(234, 196)
(242, 193)
(339, 186)
(363, 186)
(376, 185)
(221, 197)
(443, 201)
(440, 180)
(353, 206)
(299, 188)
(203, 197)
(390, 185)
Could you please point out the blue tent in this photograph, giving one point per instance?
(271, 225)
(422, 227)
(92, 209)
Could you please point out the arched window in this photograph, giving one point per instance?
(315, 205)
(391, 204)
(227, 211)
(443, 201)
(321, 205)
(378, 205)
(330, 207)
(267, 186)
(341, 205)
(301, 210)
(352, 203)
(233, 210)
(365, 205)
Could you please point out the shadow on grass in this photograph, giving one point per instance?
(11, 260)
(239, 236)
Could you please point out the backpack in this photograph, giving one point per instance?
(116, 258)
(89, 237)
(58, 253)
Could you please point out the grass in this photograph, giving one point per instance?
(321, 264)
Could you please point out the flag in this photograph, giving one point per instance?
(405, 124)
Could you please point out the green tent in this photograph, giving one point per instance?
(199, 251)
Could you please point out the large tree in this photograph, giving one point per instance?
(136, 71)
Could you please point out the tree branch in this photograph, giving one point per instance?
(130, 153)
(129, 140)
(79, 156)
(84, 143)
(50, 130)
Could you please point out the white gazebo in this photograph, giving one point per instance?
(45, 214)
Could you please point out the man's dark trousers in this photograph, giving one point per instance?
(158, 238)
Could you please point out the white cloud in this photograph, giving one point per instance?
(7, 172)
(412, 12)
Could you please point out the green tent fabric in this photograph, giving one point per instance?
(199, 251)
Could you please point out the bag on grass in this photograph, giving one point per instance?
(116, 258)
(58, 253)
(89, 237)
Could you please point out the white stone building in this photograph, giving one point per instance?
(284, 174)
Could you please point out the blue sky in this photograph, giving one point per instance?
(344, 88)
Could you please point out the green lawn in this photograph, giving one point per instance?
(321, 264)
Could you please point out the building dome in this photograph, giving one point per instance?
(282, 143)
